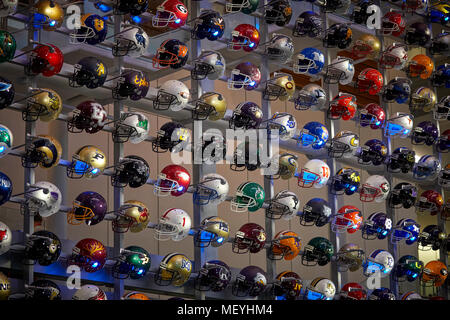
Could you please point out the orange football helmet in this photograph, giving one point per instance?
(434, 274)
(420, 66)
(286, 245)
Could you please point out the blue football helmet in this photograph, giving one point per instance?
(5, 188)
(373, 152)
(406, 229)
(93, 30)
(314, 135)
(428, 167)
(398, 90)
(441, 76)
(309, 60)
(377, 226)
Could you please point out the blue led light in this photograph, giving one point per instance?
(406, 131)
(103, 7)
(377, 123)
(219, 240)
(136, 19)
(52, 23)
(215, 33)
(95, 265)
(352, 188)
(252, 83)
(251, 45)
(94, 171)
(384, 233)
(178, 21)
(412, 238)
(140, 272)
(414, 275)
(180, 188)
(2, 149)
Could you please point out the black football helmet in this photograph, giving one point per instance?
(440, 44)
(278, 12)
(315, 212)
(346, 180)
(337, 6)
(7, 92)
(43, 247)
(172, 136)
(213, 148)
(431, 238)
(418, 34)
(172, 53)
(42, 290)
(338, 35)
(360, 12)
(90, 72)
(401, 160)
(132, 171)
(404, 195)
(242, 160)
(209, 25)
(398, 90)
(308, 24)
(132, 7)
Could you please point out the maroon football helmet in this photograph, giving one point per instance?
(89, 254)
(89, 116)
(250, 237)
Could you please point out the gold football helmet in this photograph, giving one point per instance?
(44, 151)
(89, 161)
(366, 46)
(287, 166)
(213, 231)
(134, 216)
(48, 14)
(350, 257)
(5, 286)
(175, 269)
(45, 104)
(423, 99)
(210, 105)
(280, 86)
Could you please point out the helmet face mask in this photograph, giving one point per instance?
(215, 275)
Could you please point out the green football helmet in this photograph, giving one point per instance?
(249, 196)
(245, 6)
(7, 46)
(134, 262)
(318, 251)
(6, 140)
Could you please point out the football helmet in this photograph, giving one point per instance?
(278, 12)
(42, 290)
(42, 150)
(208, 25)
(175, 269)
(249, 196)
(411, 295)
(251, 281)
(171, 53)
(335, 6)
(43, 247)
(133, 41)
(348, 218)
(375, 188)
(6, 140)
(172, 180)
(88, 161)
(244, 159)
(424, 99)
(352, 291)
(398, 90)
(439, 12)
(415, 6)
(170, 13)
(5, 188)
(428, 167)
(372, 115)
(444, 176)
(212, 231)
(314, 173)
(132, 7)
(131, 84)
(89, 254)
(363, 11)
(90, 72)
(288, 285)
(381, 294)
(393, 23)
(430, 201)
(400, 125)
(5, 238)
(373, 152)
(133, 262)
(245, 75)
(286, 245)
(434, 274)
(346, 180)
(394, 57)
(370, 80)
(93, 30)
(247, 115)
(280, 86)
(212, 189)
(418, 33)
(441, 77)
(318, 251)
(338, 35)
(89, 292)
(284, 123)
(8, 7)
(280, 48)
(426, 132)
(8, 46)
(244, 36)
(210, 105)
(402, 160)
(379, 262)
(172, 136)
(287, 166)
(349, 257)
(343, 144)
(403, 195)
(443, 142)
(309, 61)
(285, 204)
(135, 296)
(250, 237)
(132, 126)
(47, 15)
(173, 224)
(245, 6)
(377, 226)
(431, 238)
(320, 289)
(209, 64)
(315, 212)
(215, 275)
(43, 198)
(43, 104)
(440, 44)
(173, 94)
(89, 116)
(45, 59)
(420, 66)
(408, 268)
(132, 215)
(131, 171)
(340, 70)
(314, 135)
(310, 97)
(7, 93)
(343, 106)
(309, 24)
(405, 229)
(212, 148)
(90, 207)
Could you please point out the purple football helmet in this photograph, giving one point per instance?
(372, 152)
(378, 225)
(251, 281)
(133, 84)
(381, 294)
(215, 275)
(89, 206)
(308, 24)
(426, 132)
(247, 115)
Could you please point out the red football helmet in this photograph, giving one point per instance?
(250, 237)
(373, 115)
(174, 179)
(343, 106)
(353, 291)
(170, 13)
(393, 23)
(370, 80)
(244, 36)
(90, 116)
(89, 254)
(348, 218)
(46, 59)
(430, 201)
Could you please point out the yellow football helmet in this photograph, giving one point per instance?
(5, 287)
(44, 151)
(366, 46)
(175, 269)
(48, 14)
(287, 166)
(280, 86)
(89, 161)
(134, 216)
(45, 104)
(213, 231)
(423, 99)
(210, 105)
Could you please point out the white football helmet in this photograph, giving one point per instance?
(8, 7)
(428, 167)
(5, 238)
(209, 64)
(375, 188)
(340, 70)
(45, 200)
(6, 140)
(132, 126)
(395, 56)
(173, 94)
(212, 189)
(285, 204)
(400, 125)
(285, 123)
(280, 48)
(344, 144)
(132, 42)
(173, 224)
(320, 289)
(380, 263)
(311, 97)
(89, 292)
(315, 173)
